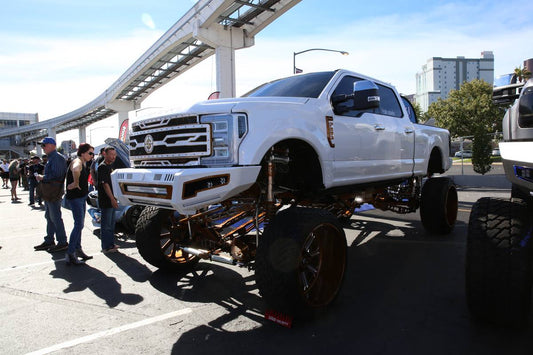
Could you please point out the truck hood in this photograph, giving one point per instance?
(240, 104)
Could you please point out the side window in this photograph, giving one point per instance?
(389, 104)
(410, 110)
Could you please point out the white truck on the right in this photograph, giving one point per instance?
(499, 270)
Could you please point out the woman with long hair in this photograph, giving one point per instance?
(77, 190)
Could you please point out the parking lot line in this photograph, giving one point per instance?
(19, 267)
(109, 332)
(28, 265)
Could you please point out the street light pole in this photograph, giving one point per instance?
(294, 54)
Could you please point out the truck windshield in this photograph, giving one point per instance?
(305, 85)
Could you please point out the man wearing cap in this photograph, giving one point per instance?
(54, 172)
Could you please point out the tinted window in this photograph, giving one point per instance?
(306, 85)
(410, 110)
(388, 105)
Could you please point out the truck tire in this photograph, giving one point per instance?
(157, 245)
(498, 262)
(439, 205)
(301, 261)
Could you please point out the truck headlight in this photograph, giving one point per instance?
(227, 132)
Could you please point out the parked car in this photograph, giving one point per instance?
(126, 215)
(464, 154)
(495, 152)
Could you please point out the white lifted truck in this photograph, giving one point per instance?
(263, 181)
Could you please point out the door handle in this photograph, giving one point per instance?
(379, 127)
(409, 130)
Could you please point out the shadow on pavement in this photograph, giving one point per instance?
(84, 277)
(137, 271)
(400, 296)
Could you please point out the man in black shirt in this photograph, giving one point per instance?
(107, 201)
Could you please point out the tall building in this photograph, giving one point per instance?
(441, 75)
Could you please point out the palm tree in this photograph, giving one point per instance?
(522, 74)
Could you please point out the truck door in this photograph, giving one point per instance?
(372, 144)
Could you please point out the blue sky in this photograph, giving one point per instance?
(57, 55)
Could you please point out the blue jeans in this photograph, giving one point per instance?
(77, 206)
(54, 223)
(33, 187)
(107, 227)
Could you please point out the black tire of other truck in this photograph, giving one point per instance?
(439, 205)
(157, 245)
(301, 261)
(498, 262)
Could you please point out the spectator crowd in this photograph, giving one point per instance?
(54, 182)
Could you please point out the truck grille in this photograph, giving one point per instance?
(169, 141)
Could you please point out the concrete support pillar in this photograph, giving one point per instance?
(225, 41)
(51, 132)
(122, 108)
(225, 67)
(122, 116)
(82, 134)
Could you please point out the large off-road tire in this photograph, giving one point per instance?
(157, 238)
(301, 261)
(439, 205)
(498, 262)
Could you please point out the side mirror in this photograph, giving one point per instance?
(365, 95)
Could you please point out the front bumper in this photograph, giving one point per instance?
(183, 190)
(518, 163)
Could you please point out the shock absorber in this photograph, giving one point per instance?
(271, 171)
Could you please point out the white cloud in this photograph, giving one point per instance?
(148, 21)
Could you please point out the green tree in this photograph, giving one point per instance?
(470, 111)
(481, 151)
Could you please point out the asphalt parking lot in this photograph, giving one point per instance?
(403, 294)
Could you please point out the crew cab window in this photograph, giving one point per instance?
(388, 105)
